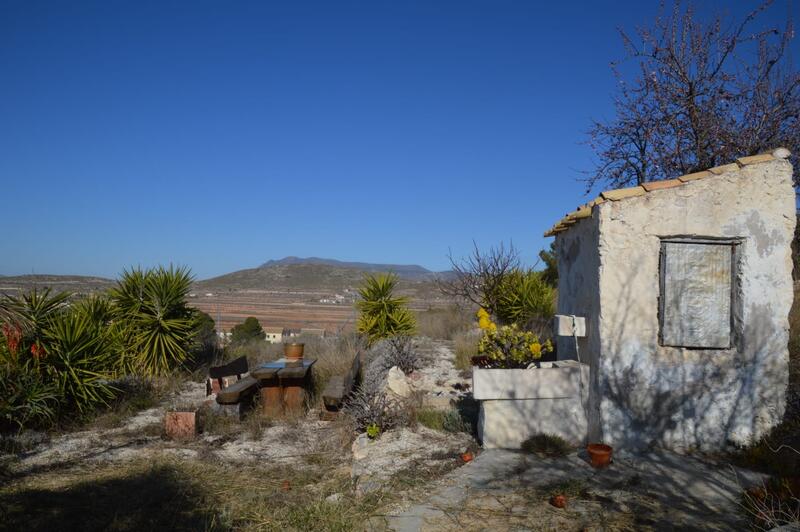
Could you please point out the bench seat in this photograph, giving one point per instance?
(238, 391)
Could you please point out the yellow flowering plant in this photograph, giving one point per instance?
(509, 346)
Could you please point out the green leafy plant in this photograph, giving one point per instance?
(524, 296)
(78, 361)
(156, 325)
(382, 314)
(247, 331)
(29, 315)
(373, 431)
(509, 346)
(25, 399)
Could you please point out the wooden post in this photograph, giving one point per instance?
(271, 398)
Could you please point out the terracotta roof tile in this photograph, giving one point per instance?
(585, 211)
(622, 193)
(658, 185)
(697, 175)
(717, 170)
(753, 159)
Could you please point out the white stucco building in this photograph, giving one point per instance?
(686, 287)
(273, 335)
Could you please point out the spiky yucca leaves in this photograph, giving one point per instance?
(523, 296)
(157, 326)
(25, 399)
(382, 314)
(79, 360)
(30, 314)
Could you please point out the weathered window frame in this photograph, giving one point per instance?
(735, 245)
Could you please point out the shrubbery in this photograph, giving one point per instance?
(59, 356)
(382, 313)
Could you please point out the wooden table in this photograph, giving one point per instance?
(284, 384)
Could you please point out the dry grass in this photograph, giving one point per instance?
(445, 323)
(466, 347)
(166, 494)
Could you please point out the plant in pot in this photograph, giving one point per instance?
(293, 351)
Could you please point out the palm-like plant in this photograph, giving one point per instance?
(78, 360)
(383, 315)
(156, 325)
(25, 398)
(30, 314)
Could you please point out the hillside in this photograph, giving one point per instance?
(408, 271)
(294, 273)
(81, 284)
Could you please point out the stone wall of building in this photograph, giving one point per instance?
(645, 393)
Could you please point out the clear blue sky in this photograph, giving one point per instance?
(219, 135)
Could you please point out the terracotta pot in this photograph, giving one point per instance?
(293, 351)
(559, 501)
(600, 454)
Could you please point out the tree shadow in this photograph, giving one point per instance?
(161, 498)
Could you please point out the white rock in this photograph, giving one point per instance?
(396, 383)
(335, 498)
(781, 153)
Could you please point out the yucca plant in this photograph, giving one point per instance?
(78, 361)
(30, 314)
(382, 314)
(523, 296)
(25, 399)
(155, 324)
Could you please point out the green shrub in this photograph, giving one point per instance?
(78, 360)
(247, 331)
(156, 325)
(25, 399)
(524, 296)
(382, 314)
(549, 445)
(442, 420)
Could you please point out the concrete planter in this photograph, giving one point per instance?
(515, 404)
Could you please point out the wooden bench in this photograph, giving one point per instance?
(239, 391)
(340, 386)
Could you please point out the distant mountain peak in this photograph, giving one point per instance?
(365, 266)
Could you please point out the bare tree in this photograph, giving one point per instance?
(477, 278)
(704, 94)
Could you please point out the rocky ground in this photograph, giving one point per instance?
(432, 488)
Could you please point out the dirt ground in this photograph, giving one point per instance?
(430, 488)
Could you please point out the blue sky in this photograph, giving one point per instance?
(219, 135)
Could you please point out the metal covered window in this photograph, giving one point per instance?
(696, 299)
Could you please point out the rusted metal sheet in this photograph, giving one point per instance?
(696, 292)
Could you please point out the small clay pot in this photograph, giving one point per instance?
(600, 454)
(293, 351)
(559, 501)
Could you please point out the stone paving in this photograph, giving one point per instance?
(505, 490)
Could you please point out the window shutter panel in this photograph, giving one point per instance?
(697, 295)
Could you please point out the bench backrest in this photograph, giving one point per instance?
(235, 367)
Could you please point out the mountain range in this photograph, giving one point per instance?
(287, 273)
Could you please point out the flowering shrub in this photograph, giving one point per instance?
(509, 346)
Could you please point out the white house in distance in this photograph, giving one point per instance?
(686, 287)
(274, 335)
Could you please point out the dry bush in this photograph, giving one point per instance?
(445, 323)
(549, 445)
(334, 357)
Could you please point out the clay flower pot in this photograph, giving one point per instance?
(559, 501)
(293, 351)
(600, 454)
